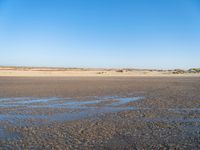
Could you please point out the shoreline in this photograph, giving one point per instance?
(89, 73)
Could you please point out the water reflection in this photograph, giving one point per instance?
(83, 108)
(31, 111)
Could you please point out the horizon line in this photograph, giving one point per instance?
(114, 68)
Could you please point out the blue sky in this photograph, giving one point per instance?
(100, 33)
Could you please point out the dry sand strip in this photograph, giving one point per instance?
(79, 72)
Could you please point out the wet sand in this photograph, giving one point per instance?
(99, 112)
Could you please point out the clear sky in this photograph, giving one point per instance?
(100, 33)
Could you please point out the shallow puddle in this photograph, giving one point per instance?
(79, 108)
(25, 101)
(125, 100)
(55, 102)
(38, 111)
(21, 109)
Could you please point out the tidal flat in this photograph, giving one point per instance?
(99, 112)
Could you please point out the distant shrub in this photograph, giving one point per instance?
(127, 69)
(120, 70)
(194, 70)
(160, 70)
(179, 71)
(100, 72)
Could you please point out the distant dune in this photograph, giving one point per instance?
(52, 71)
